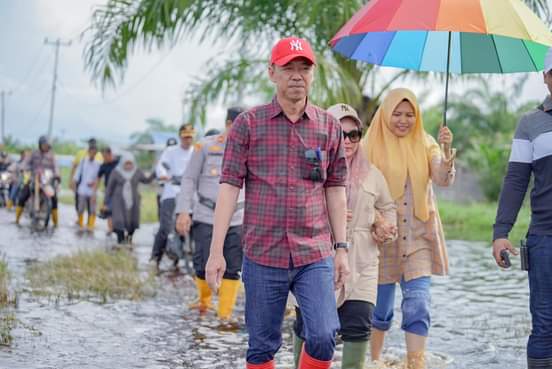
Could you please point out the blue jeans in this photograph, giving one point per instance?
(540, 290)
(415, 306)
(266, 294)
(14, 191)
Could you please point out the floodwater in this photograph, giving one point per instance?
(480, 315)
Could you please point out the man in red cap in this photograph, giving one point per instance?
(290, 155)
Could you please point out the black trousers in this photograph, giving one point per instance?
(355, 318)
(25, 193)
(202, 234)
(121, 235)
(166, 225)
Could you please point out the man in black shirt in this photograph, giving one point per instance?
(531, 156)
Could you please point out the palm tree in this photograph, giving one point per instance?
(249, 28)
(484, 122)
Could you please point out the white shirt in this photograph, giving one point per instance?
(87, 173)
(176, 159)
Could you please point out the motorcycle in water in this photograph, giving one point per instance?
(179, 248)
(42, 192)
(5, 181)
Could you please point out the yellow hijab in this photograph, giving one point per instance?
(400, 158)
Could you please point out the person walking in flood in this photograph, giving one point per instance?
(17, 171)
(196, 208)
(371, 219)
(532, 156)
(86, 176)
(171, 166)
(289, 153)
(110, 162)
(123, 196)
(411, 161)
(77, 159)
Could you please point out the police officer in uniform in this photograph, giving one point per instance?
(170, 168)
(199, 190)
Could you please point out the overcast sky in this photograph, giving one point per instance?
(153, 87)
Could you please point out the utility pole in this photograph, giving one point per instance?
(57, 44)
(3, 95)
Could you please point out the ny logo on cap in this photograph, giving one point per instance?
(296, 45)
(344, 108)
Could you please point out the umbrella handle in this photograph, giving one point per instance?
(447, 80)
(448, 151)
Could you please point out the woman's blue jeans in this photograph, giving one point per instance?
(415, 306)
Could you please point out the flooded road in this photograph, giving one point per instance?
(480, 315)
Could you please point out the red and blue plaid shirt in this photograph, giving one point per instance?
(285, 214)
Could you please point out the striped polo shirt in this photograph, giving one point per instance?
(531, 154)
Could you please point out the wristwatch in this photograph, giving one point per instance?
(341, 245)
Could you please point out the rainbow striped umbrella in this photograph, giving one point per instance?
(452, 36)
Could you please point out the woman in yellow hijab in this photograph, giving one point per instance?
(410, 160)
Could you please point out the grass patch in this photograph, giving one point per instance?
(148, 207)
(93, 275)
(4, 284)
(7, 301)
(65, 174)
(474, 222)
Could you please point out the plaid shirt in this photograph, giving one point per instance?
(285, 214)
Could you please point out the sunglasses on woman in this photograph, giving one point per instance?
(354, 135)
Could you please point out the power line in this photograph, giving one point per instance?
(36, 84)
(137, 83)
(68, 94)
(30, 71)
(37, 114)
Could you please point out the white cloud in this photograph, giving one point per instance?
(153, 86)
(64, 17)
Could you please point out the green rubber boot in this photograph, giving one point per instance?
(354, 355)
(297, 348)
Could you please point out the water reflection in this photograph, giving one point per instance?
(480, 316)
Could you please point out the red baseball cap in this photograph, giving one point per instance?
(291, 48)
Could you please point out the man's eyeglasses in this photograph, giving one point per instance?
(354, 136)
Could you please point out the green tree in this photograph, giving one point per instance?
(65, 147)
(13, 145)
(483, 121)
(248, 28)
(146, 159)
(153, 125)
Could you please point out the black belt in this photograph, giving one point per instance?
(212, 204)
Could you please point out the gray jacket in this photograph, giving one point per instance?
(200, 183)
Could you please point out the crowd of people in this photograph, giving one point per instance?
(321, 210)
(311, 181)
